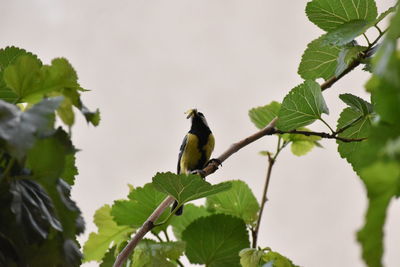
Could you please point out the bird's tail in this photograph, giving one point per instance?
(178, 211)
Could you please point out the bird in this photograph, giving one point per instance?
(196, 148)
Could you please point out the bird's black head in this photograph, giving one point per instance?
(198, 119)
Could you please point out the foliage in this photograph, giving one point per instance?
(367, 134)
(40, 222)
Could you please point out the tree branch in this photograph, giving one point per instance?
(323, 135)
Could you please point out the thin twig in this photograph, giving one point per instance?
(320, 134)
(264, 200)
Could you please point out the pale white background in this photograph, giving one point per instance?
(147, 62)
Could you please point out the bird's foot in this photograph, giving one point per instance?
(214, 161)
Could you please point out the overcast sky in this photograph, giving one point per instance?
(147, 62)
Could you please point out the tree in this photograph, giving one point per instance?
(39, 220)
(366, 133)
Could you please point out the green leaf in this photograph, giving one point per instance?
(70, 170)
(301, 148)
(238, 201)
(357, 103)
(346, 56)
(319, 60)
(277, 260)
(302, 106)
(141, 204)
(24, 76)
(47, 157)
(330, 14)
(192, 212)
(33, 210)
(347, 32)
(18, 129)
(261, 116)
(382, 182)
(91, 116)
(109, 258)
(216, 240)
(392, 148)
(185, 188)
(8, 56)
(360, 126)
(250, 257)
(150, 253)
(301, 144)
(66, 113)
(109, 234)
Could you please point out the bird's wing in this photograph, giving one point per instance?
(181, 150)
(209, 147)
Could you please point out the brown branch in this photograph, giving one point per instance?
(322, 135)
(211, 167)
(146, 227)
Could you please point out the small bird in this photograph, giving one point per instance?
(196, 147)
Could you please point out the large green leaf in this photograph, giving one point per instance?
(109, 234)
(319, 60)
(149, 253)
(238, 201)
(185, 188)
(382, 181)
(261, 116)
(301, 106)
(140, 205)
(18, 129)
(216, 240)
(192, 212)
(330, 14)
(33, 210)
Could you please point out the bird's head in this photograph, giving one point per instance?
(196, 117)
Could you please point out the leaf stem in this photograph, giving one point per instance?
(379, 29)
(158, 237)
(327, 125)
(366, 38)
(166, 235)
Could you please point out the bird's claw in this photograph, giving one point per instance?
(215, 162)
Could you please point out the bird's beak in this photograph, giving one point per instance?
(190, 113)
